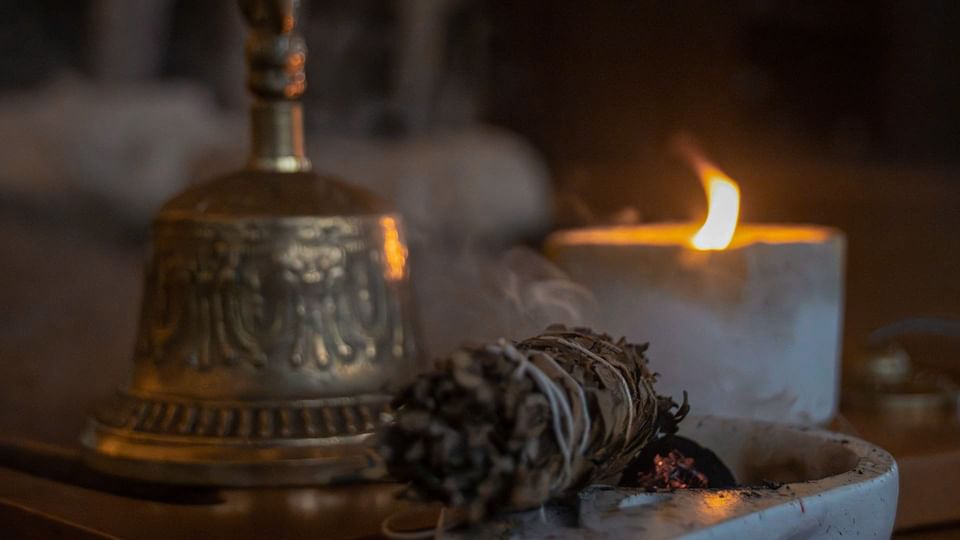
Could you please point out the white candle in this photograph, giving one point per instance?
(751, 331)
(745, 318)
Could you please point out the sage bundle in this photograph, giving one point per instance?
(508, 426)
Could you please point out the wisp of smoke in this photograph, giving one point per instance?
(469, 293)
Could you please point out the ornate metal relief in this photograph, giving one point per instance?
(310, 293)
(226, 421)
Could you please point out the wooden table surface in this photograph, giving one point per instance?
(34, 507)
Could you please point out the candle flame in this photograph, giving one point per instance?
(723, 209)
(723, 200)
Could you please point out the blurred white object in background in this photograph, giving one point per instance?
(129, 145)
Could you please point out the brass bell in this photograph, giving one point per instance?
(276, 313)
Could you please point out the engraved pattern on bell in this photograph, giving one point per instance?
(281, 295)
(236, 422)
(268, 348)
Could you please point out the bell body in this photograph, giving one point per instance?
(276, 321)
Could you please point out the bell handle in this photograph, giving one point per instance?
(276, 60)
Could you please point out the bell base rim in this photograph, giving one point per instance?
(230, 463)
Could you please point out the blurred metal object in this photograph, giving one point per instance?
(886, 380)
(918, 326)
(276, 313)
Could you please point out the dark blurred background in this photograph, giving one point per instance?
(482, 119)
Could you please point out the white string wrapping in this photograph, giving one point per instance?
(603, 361)
(585, 437)
(562, 414)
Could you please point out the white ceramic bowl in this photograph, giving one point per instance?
(834, 486)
